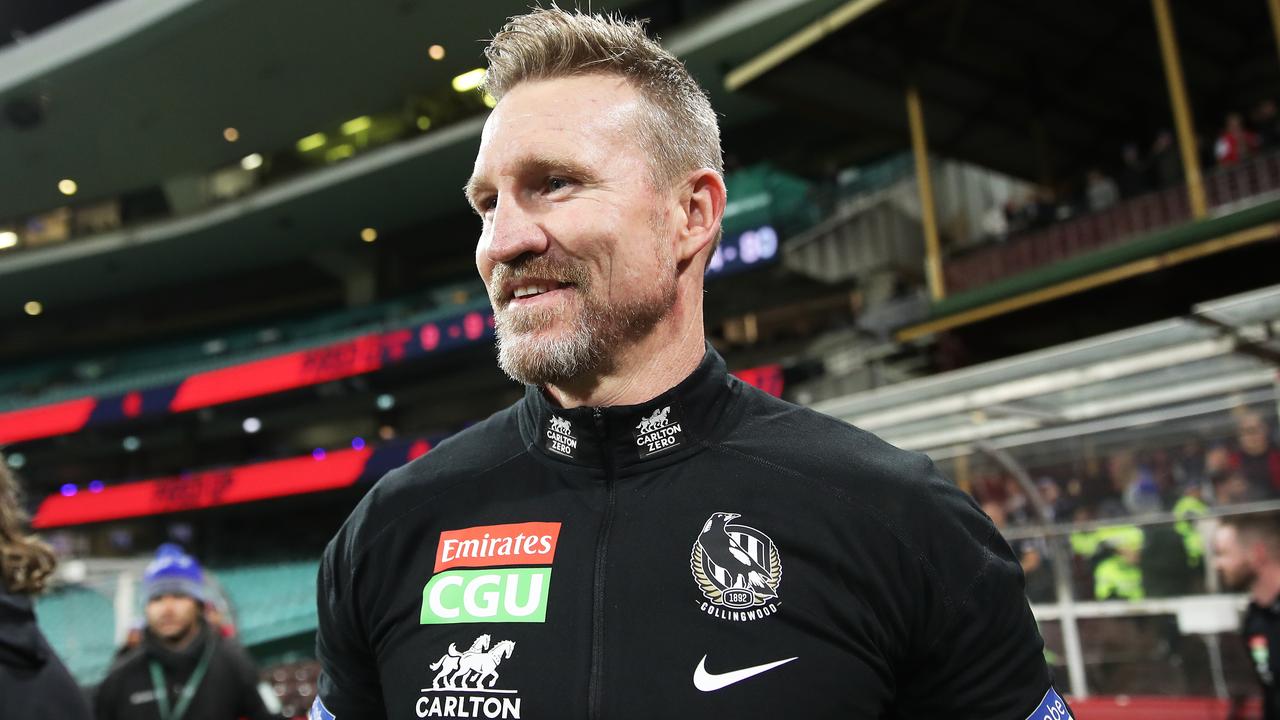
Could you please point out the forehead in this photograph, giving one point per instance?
(589, 119)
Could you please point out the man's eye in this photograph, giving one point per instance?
(558, 183)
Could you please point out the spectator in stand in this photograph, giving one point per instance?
(1236, 141)
(1135, 483)
(1032, 555)
(1133, 172)
(1166, 162)
(1256, 458)
(995, 223)
(1189, 508)
(1101, 192)
(1266, 122)
(1229, 487)
(1056, 504)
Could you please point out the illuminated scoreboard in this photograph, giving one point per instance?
(744, 251)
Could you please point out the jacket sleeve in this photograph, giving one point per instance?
(249, 702)
(978, 653)
(349, 687)
(104, 704)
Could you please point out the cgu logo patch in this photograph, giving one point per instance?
(496, 592)
(1261, 654)
(466, 683)
(658, 433)
(737, 568)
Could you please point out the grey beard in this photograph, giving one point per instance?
(588, 349)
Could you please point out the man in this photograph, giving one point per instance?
(34, 684)
(183, 669)
(1247, 557)
(1257, 459)
(643, 535)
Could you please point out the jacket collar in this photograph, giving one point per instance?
(20, 644)
(617, 438)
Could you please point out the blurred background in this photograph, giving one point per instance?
(1035, 240)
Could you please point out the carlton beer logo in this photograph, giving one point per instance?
(559, 437)
(658, 433)
(495, 592)
(737, 568)
(467, 683)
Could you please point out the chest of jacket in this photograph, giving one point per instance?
(707, 586)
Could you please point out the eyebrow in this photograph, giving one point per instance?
(533, 165)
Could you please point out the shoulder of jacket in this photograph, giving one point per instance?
(459, 458)
(826, 447)
(461, 455)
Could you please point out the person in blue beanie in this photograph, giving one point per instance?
(183, 669)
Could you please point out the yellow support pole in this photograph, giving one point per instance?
(795, 44)
(1181, 111)
(1275, 20)
(919, 148)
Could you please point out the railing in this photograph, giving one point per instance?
(1226, 188)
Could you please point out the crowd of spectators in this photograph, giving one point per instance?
(1138, 169)
(1134, 561)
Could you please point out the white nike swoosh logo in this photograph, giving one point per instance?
(707, 682)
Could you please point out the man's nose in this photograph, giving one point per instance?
(514, 231)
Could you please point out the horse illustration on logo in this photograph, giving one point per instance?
(653, 422)
(561, 425)
(469, 670)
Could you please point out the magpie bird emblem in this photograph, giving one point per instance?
(735, 566)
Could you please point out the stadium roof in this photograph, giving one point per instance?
(1037, 89)
(134, 93)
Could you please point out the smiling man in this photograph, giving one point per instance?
(644, 536)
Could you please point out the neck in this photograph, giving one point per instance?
(649, 366)
(1266, 587)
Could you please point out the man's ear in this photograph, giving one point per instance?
(1257, 553)
(702, 200)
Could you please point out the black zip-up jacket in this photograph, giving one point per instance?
(34, 684)
(1260, 632)
(714, 552)
(228, 691)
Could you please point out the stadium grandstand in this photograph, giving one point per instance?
(1035, 240)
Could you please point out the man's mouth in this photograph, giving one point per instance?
(532, 289)
(528, 291)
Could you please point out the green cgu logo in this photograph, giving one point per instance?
(495, 592)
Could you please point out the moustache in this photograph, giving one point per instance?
(540, 267)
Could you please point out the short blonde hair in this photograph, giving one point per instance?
(679, 135)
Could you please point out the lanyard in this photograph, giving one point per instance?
(188, 689)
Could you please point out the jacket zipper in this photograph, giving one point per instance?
(595, 691)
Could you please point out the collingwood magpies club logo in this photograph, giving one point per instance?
(465, 683)
(737, 568)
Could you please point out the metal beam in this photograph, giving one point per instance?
(1088, 282)
(1274, 6)
(1181, 109)
(920, 148)
(797, 43)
